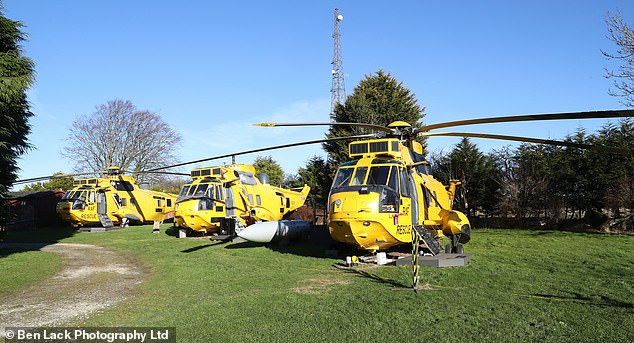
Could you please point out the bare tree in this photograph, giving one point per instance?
(623, 36)
(117, 134)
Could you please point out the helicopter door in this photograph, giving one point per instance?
(230, 203)
(102, 207)
(405, 209)
(415, 203)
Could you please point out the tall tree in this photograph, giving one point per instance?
(622, 35)
(270, 167)
(16, 76)
(478, 175)
(118, 134)
(318, 175)
(378, 99)
(616, 171)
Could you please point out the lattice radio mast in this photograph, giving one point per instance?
(338, 89)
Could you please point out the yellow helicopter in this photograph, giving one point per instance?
(232, 197)
(386, 196)
(78, 206)
(114, 199)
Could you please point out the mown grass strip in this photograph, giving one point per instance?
(519, 286)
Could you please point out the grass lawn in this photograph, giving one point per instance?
(519, 286)
(19, 268)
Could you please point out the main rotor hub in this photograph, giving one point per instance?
(399, 124)
(113, 170)
(401, 130)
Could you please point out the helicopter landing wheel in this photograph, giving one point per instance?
(454, 247)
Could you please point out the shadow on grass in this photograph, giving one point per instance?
(244, 245)
(200, 247)
(172, 231)
(602, 301)
(314, 243)
(373, 277)
(16, 241)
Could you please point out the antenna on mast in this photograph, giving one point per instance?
(338, 89)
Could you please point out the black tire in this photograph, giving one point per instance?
(459, 249)
(448, 249)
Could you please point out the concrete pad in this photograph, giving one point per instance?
(438, 261)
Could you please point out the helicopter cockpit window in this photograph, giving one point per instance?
(342, 178)
(359, 176)
(79, 200)
(82, 196)
(184, 190)
(219, 193)
(69, 196)
(91, 196)
(388, 201)
(405, 186)
(247, 178)
(192, 190)
(201, 189)
(393, 182)
(378, 175)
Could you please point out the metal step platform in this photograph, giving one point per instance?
(429, 240)
(97, 229)
(443, 260)
(105, 220)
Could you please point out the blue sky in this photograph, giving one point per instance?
(213, 68)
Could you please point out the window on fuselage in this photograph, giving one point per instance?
(247, 178)
(122, 185)
(342, 178)
(219, 193)
(378, 175)
(393, 182)
(405, 186)
(201, 189)
(81, 196)
(184, 190)
(359, 176)
(192, 189)
(69, 196)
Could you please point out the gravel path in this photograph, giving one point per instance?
(92, 278)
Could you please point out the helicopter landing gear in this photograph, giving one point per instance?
(454, 247)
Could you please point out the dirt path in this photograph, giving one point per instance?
(92, 278)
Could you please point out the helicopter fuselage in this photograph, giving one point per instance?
(376, 200)
(116, 197)
(78, 206)
(234, 192)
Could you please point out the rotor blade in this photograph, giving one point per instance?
(532, 117)
(265, 149)
(529, 140)
(48, 177)
(154, 172)
(364, 125)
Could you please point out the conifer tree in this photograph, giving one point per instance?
(16, 76)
